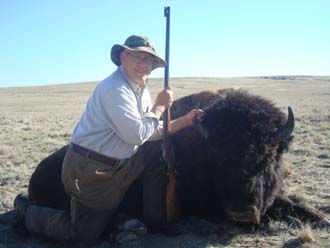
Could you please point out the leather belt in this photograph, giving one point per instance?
(92, 155)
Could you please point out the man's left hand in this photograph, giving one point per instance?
(193, 116)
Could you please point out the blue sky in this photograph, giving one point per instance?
(64, 41)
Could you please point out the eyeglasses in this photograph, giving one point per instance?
(142, 58)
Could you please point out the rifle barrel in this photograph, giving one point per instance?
(166, 114)
(167, 47)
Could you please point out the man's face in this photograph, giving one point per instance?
(137, 65)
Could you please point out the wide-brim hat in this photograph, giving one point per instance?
(138, 44)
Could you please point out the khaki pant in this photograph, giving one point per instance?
(96, 189)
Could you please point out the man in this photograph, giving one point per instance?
(108, 151)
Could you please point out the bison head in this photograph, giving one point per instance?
(246, 137)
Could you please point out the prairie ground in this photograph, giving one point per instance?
(35, 121)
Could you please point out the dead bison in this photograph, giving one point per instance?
(228, 166)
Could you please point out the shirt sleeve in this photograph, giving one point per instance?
(122, 111)
(158, 133)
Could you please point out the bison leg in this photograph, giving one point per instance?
(285, 208)
(45, 186)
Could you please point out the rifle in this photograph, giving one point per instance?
(172, 204)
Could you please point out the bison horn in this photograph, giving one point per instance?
(285, 131)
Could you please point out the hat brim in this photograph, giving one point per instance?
(117, 49)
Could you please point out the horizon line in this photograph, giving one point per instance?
(276, 77)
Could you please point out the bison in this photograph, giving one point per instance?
(230, 165)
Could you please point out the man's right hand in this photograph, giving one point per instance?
(163, 101)
(165, 98)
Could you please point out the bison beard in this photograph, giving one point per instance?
(228, 166)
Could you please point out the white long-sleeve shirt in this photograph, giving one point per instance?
(117, 118)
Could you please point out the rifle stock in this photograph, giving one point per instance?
(172, 203)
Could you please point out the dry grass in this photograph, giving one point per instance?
(287, 168)
(35, 121)
(306, 234)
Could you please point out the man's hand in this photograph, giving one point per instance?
(165, 98)
(163, 101)
(193, 116)
(186, 120)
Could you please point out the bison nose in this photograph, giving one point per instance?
(250, 215)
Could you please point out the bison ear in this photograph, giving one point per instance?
(202, 130)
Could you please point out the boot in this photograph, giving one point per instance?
(21, 204)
